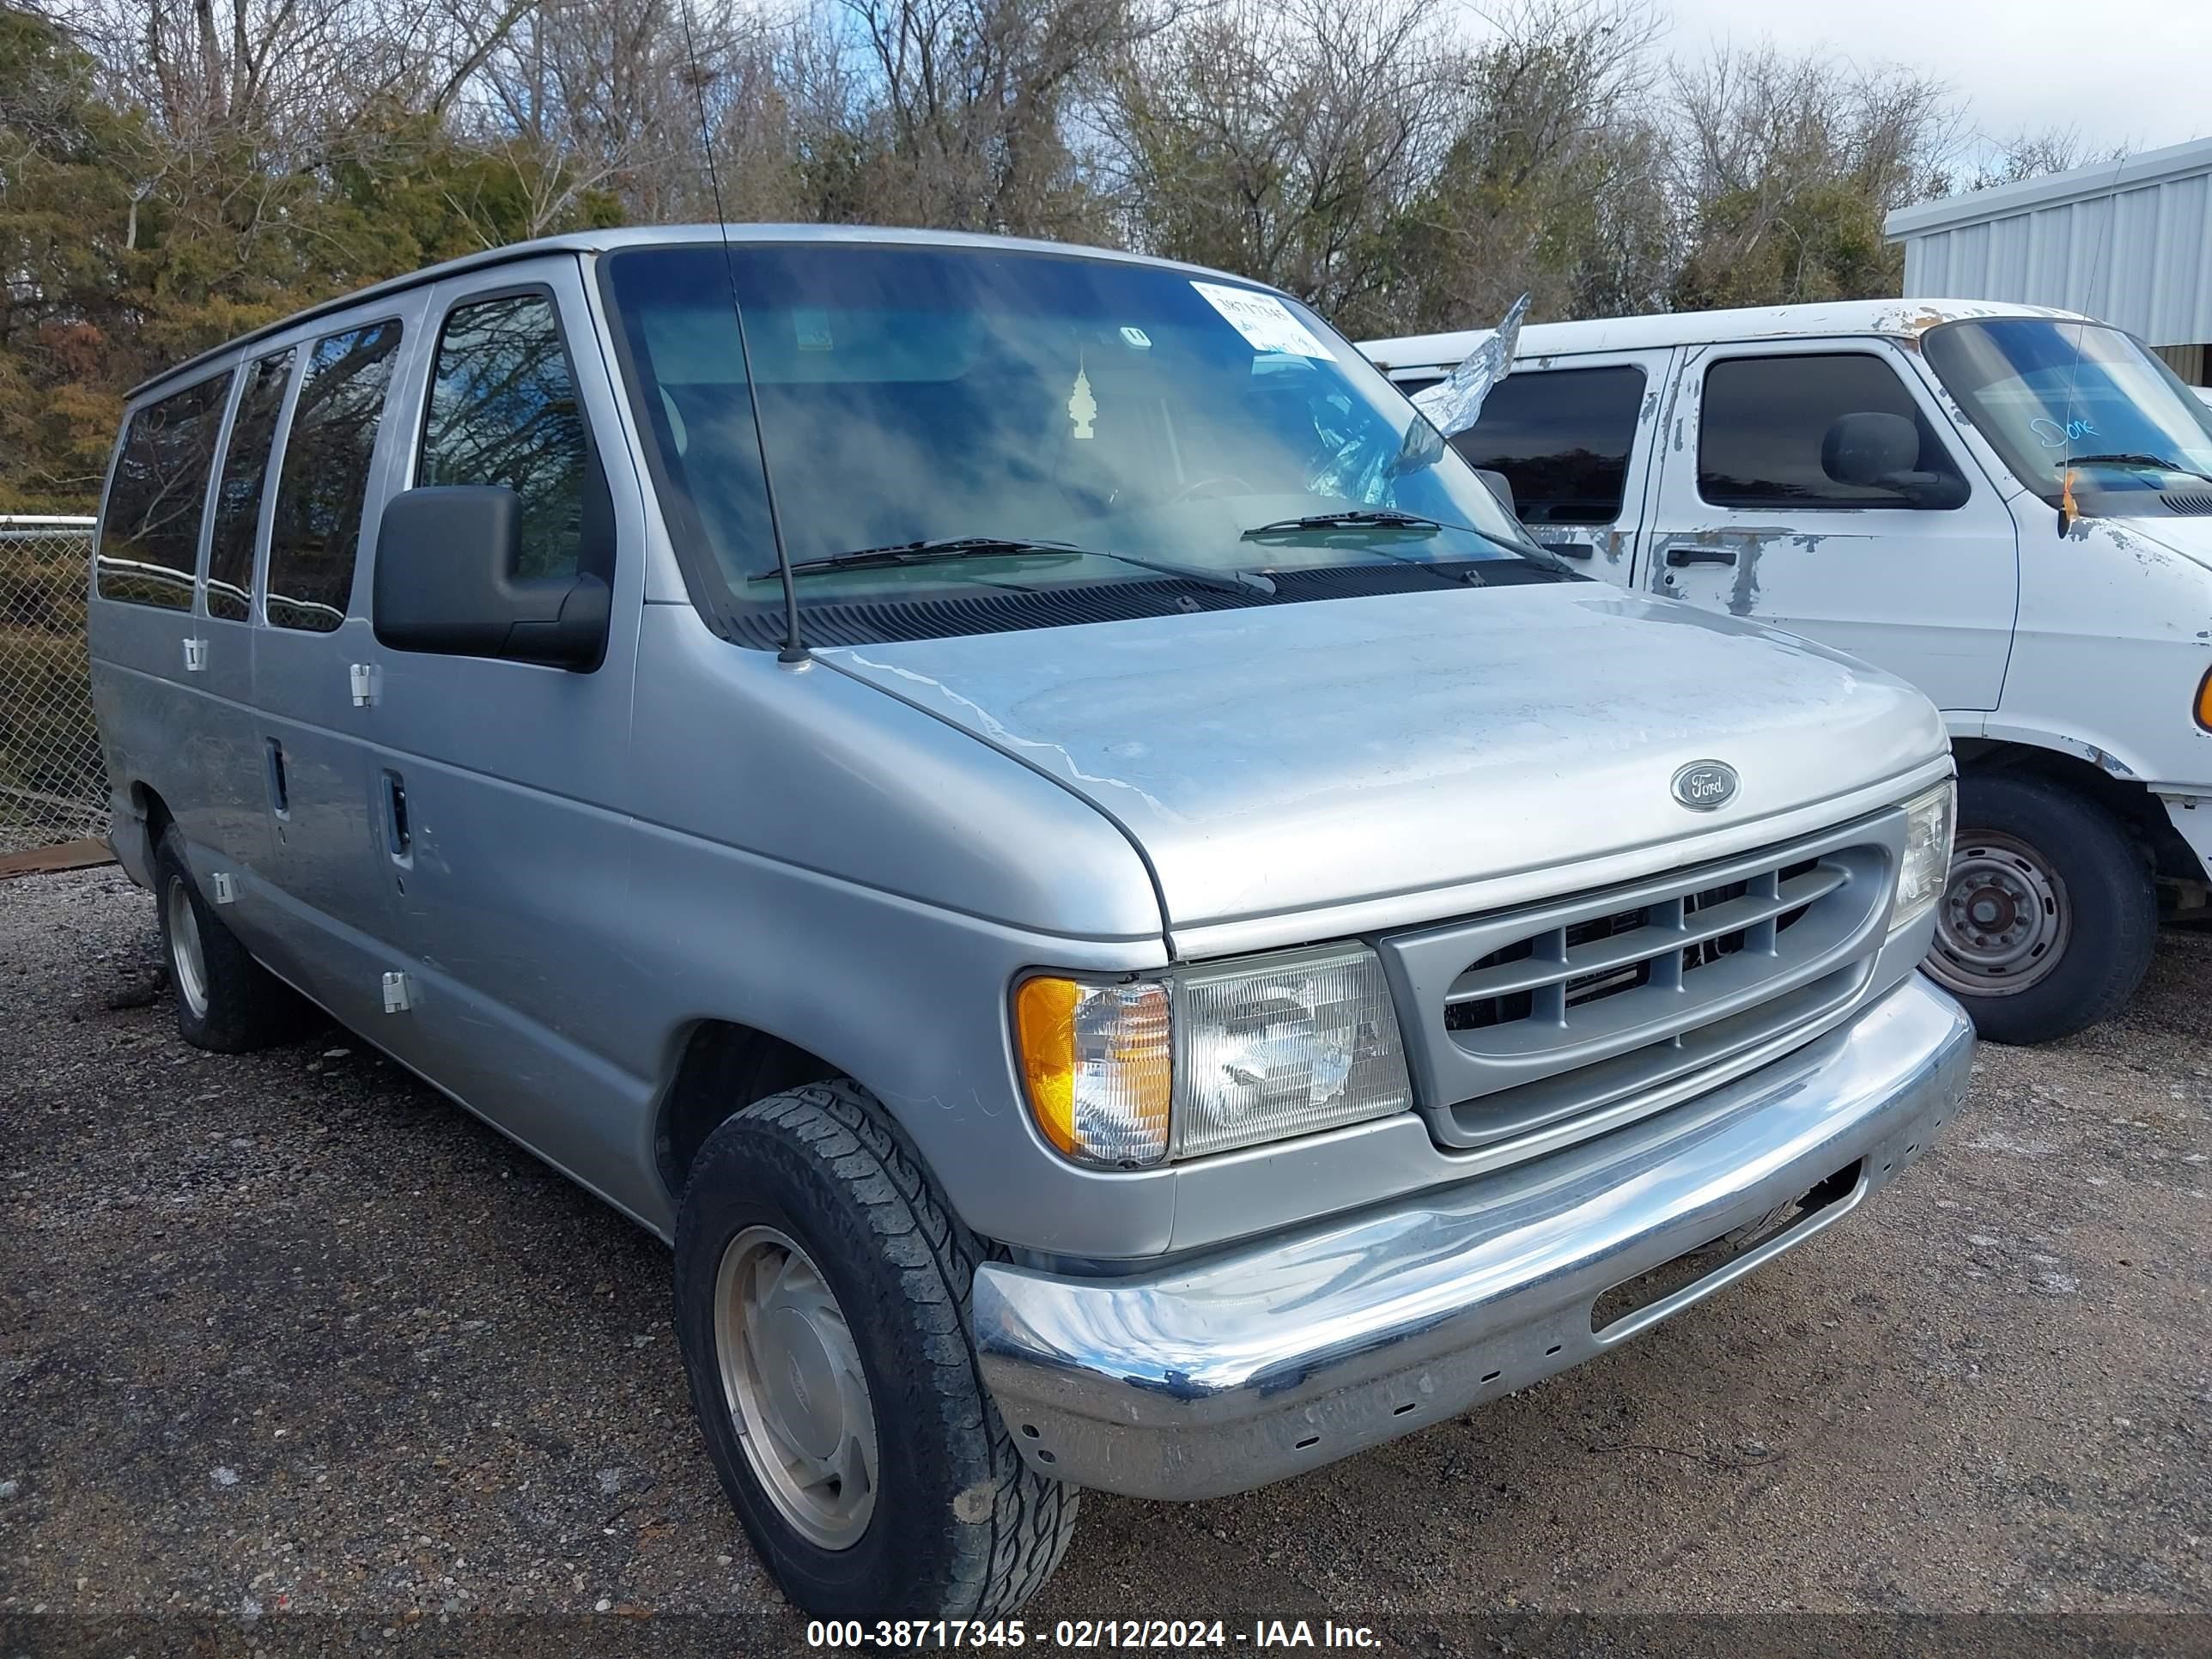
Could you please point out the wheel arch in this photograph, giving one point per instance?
(136, 829)
(147, 800)
(2127, 799)
(717, 1068)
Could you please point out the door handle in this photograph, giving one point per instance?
(280, 798)
(397, 839)
(1682, 555)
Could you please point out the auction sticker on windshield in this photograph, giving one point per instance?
(1262, 319)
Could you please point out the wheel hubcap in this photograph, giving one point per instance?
(187, 966)
(2004, 919)
(792, 1379)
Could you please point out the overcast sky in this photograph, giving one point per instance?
(2131, 72)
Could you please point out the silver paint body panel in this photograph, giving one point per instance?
(1377, 752)
(860, 854)
(1256, 1365)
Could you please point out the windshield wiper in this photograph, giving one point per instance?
(2130, 459)
(1350, 518)
(1384, 518)
(965, 547)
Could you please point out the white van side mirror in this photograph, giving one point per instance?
(1881, 451)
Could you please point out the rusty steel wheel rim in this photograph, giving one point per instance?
(2004, 920)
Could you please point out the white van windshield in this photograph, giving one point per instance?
(2052, 396)
(943, 423)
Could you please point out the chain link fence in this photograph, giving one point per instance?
(53, 785)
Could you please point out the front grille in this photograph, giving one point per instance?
(1662, 942)
(1586, 1006)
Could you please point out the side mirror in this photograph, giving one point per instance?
(1870, 447)
(446, 562)
(1939, 490)
(1881, 451)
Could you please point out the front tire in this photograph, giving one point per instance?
(2050, 916)
(822, 1304)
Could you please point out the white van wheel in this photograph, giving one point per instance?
(2004, 918)
(2050, 917)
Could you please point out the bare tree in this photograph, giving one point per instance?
(1283, 141)
(589, 98)
(1556, 181)
(2035, 155)
(970, 103)
(1787, 166)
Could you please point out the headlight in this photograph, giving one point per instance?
(1926, 867)
(1210, 1058)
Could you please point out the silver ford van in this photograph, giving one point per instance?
(1023, 809)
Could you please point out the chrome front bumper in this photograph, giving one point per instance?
(1249, 1366)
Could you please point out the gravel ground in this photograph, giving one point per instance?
(295, 1355)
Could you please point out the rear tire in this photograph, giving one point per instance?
(226, 1000)
(822, 1291)
(2050, 917)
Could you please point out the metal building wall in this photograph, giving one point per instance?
(2130, 243)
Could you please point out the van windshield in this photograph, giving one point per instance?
(1067, 422)
(2051, 395)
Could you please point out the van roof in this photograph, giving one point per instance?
(1901, 319)
(601, 241)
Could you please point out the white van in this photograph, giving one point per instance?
(1892, 477)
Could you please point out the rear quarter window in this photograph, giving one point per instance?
(149, 530)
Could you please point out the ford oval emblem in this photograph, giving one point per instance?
(1705, 785)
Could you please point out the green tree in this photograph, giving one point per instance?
(1823, 241)
(66, 217)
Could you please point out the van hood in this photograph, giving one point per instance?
(2190, 536)
(1287, 758)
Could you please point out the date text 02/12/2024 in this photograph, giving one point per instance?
(1084, 1634)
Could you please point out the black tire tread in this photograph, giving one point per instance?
(249, 1006)
(2109, 884)
(1003, 1560)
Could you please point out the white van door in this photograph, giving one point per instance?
(1817, 486)
(1576, 437)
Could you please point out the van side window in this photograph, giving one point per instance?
(324, 487)
(1825, 430)
(149, 530)
(502, 409)
(238, 494)
(1562, 438)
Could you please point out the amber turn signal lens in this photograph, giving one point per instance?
(1097, 1065)
(1044, 1021)
(2204, 701)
